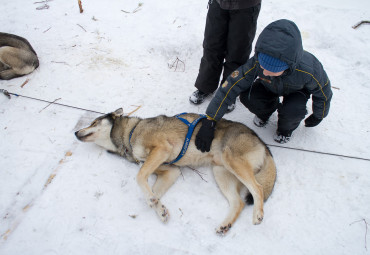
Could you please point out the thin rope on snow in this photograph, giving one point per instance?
(271, 145)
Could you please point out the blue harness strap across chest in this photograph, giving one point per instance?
(185, 146)
(191, 127)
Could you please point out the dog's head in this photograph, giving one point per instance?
(99, 130)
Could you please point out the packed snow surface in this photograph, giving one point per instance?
(61, 196)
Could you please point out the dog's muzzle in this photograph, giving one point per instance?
(81, 137)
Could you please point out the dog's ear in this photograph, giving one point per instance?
(117, 113)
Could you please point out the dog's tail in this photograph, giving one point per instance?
(266, 177)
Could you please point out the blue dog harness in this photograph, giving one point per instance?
(191, 127)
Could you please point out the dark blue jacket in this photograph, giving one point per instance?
(281, 39)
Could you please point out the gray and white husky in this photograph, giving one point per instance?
(238, 157)
(17, 57)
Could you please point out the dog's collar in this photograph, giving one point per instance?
(130, 136)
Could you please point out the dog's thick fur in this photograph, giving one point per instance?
(17, 57)
(237, 155)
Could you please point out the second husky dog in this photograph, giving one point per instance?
(17, 57)
(239, 158)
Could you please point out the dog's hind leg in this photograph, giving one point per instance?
(166, 177)
(156, 158)
(243, 170)
(230, 187)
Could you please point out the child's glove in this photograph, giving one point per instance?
(205, 135)
(312, 121)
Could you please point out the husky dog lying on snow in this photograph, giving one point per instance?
(238, 157)
(17, 57)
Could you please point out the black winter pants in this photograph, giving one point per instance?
(263, 103)
(228, 39)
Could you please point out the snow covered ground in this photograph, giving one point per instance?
(60, 196)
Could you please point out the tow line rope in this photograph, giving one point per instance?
(318, 152)
(46, 101)
(271, 145)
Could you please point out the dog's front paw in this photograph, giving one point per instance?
(222, 230)
(159, 208)
(153, 202)
(257, 216)
(162, 212)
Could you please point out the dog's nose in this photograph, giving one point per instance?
(76, 134)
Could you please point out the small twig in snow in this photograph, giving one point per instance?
(138, 8)
(366, 224)
(80, 6)
(199, 173)
(81, 27)
(47, 30)
(42, 2)
(360, 23)
(25, 82)
(51, 140)
(181, 212)
(58, 62)
(137, 108)
(45, 6)
(176, 63)
(50, 104)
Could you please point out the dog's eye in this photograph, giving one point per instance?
(94, 123)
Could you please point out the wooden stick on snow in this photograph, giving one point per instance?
(80, 5)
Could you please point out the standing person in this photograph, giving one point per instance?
(279, 68)
(229, 33)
